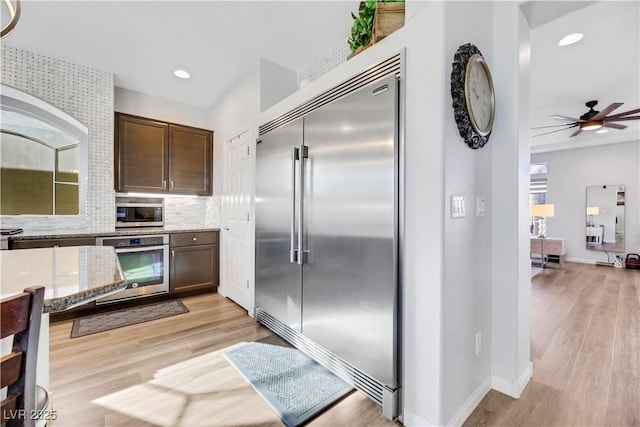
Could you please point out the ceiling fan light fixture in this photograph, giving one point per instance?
(602, 131)
(183, 74)
(591, 125)
(570, 39)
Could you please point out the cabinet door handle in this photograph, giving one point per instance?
(173, 254)
(164, 184)
(195, 239)
(172, 185)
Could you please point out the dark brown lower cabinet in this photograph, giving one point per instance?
(50, 243)
(193, 261)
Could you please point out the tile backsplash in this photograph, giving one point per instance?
(88, 95)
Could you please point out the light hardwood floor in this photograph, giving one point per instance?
(171, 372)
(585, 349)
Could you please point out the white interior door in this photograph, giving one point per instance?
(236, 257)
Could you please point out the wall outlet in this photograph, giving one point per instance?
(478, 343)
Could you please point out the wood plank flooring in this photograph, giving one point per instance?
(171, 372)
(585, 349)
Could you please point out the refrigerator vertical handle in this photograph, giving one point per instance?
(303, 154)
(293, 255)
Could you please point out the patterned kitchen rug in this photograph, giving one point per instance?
(295, 386)
(125, 317)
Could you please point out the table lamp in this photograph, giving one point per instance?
(591, 211)
(543, 212)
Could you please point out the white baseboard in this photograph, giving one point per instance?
(410, 419)
(472, 402)
(513, 388)
(581, 260)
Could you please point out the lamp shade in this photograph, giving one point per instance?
(593, 210)
(542, 210)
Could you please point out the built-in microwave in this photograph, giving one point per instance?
(139, 212)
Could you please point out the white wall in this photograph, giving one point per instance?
(571, 172)
(510, 346)
(237, 111)
(140, 104)
(467, 261)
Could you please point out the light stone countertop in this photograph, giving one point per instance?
(71, 275)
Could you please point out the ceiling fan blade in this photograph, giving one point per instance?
(575, 133)
(558, 117)
(619, 119)
(613, 126)
(626, 113)
(555, 126)
(603, 113)
(557, 130)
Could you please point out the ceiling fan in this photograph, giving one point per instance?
(593, 119)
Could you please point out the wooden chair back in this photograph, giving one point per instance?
(20, 317)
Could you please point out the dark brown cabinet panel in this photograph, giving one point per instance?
(194, 261)
(50, 243)
(142, 148)
(190, 160)
(158, 157)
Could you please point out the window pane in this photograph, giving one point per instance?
(66, 199)
(67, 164)
(26, 180)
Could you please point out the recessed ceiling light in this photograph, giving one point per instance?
(602, 131)
(570, 39)
(182, 74)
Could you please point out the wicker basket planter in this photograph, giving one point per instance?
(388, 18)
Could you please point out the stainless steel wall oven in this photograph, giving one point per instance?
(145, 263)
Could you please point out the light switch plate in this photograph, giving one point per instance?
(457, 207)
(480, 206)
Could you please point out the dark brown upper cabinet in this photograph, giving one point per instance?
(152, 156)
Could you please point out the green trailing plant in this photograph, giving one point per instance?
(362, 28)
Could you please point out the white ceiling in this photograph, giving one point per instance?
(603, 66)
(142, 42)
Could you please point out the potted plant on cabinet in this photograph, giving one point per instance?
(375, 21)
(362, 28)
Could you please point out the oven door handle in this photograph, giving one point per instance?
(139, 248)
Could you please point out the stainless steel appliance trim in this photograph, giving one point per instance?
(139, 224)
(384, 68)
(302, 253)
(293, 256)
(374, 389)
(139, 248)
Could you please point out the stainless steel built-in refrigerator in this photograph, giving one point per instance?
(327, 230)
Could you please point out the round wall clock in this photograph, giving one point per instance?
(473, 96)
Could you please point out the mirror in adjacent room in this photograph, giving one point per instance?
(605, 218)
(43, 157)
